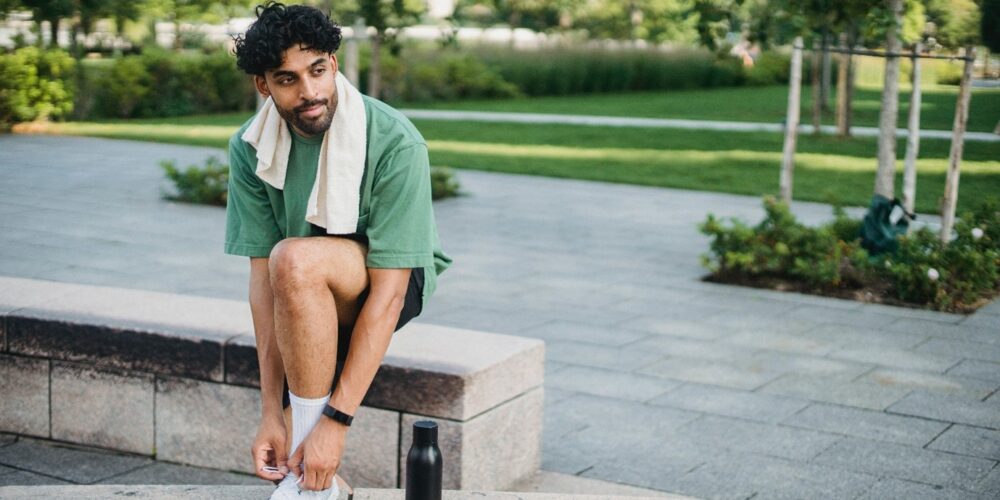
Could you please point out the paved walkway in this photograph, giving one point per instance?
(654, 378)
(613, 121)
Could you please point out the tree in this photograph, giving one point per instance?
(655, 21)
(387, 17)
(52, 11)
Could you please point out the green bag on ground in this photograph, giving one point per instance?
(881, 226)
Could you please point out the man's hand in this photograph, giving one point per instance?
(269, 447)
(319, 455)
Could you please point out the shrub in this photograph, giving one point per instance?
(35, 85)
(196, 184)
(443, 183)
(781, 247)
(949, 74)
(423, 75)
(770, 68)
(957, 276)
(122, 88)
(158, 83)
(564, 71)
(209, 184)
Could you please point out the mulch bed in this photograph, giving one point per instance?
(877, 293)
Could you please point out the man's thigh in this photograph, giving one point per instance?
(337, 262)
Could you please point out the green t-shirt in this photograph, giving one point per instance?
(396, 214)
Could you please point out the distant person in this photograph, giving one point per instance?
(330, 197)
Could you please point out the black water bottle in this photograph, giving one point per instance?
(423, 463)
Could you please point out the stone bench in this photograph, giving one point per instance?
(175, 377)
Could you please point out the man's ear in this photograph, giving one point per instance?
(261, 83)
(333, 61)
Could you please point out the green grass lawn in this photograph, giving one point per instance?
(751, 104)
(828, 169)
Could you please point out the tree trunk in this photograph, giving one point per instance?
(913, 137)
(824, 90)
(817, 92)
(177, 34)
(54, 33)
(514, 20)
(375, 70)
(791, 122)
(957, 141)
(885, 176)
(843, 93)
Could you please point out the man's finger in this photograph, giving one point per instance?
(294, 462)
(260, 456)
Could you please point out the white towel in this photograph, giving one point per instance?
(334, 200)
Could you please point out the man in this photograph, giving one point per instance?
(325, 301)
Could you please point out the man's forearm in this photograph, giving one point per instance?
(370, 340)
(272, 370)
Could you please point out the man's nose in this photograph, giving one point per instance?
(308, 89)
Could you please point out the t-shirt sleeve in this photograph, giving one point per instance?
(251, 229)
(401, 218)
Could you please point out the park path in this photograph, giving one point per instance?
(654, 378)
(614, 121)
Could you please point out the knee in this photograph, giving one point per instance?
(292, 266)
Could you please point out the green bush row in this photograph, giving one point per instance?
(159, 83)
(577, 71)
(47, 84)
(956, 276)
(208, 184)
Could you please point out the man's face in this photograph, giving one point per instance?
(303, 89)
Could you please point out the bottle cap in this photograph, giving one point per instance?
(425, 432)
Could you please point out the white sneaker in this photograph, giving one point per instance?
(288, 489)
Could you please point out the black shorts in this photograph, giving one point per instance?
(412, 305)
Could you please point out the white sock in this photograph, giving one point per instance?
(305, 414)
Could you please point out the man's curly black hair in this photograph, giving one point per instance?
(277, 29)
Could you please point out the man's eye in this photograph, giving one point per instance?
(319, 71)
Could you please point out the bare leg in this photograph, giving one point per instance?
(316, 283)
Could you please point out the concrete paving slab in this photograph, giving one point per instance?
(972, 368)
(581, 332)
(946, 331)
(675, 328)
(831, 390)
(566, 484)
(711, 373)
(598, 356)
(898, 489)
(960, 348)
(867, 424)
(906, 462)
(610, 383)
(971, 388)
(745, 437)
(24, 478)
(949, 409)
(163, 473)
(971, 441)
(899, 358)
(66, 462)
(742, 477)
(730, 402)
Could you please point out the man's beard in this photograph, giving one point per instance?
(315, 126)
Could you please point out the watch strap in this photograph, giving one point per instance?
(338, 416)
